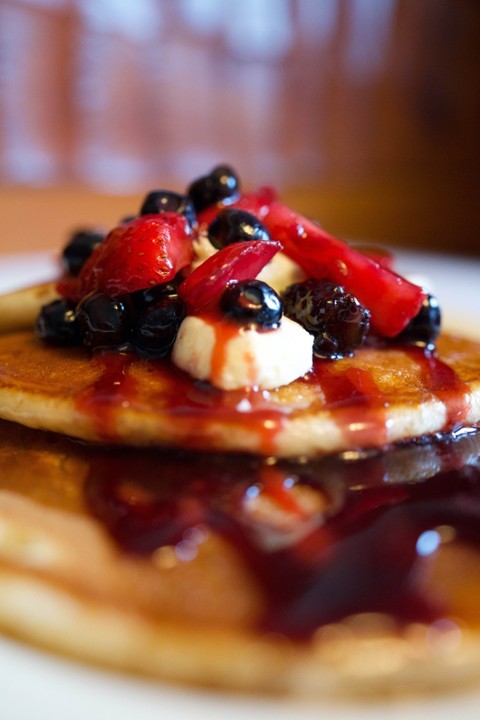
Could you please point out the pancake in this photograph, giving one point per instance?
(168, 564)
(308, 536)
(238, 570)
(379, 396)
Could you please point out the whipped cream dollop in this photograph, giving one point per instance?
(231, 356)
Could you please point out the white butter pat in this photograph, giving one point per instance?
(281, 272)
(232, 358)
(202, 249)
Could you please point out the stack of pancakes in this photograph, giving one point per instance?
(194, 608)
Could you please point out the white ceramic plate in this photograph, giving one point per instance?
(36, 685)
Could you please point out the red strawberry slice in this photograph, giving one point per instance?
(136, 255)
(392, 300)
(238, 261)
(380, 254)
(257, 203)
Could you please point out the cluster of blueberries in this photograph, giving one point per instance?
(147, 321)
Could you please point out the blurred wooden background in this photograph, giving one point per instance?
(365, 113)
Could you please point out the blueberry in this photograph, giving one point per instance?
(157, 327)
(138, 301)
(57, 324)
(221, 184)
(334, 316)
(159, 201)
(103, 321)
(232, 225)
(252, 302)
(424, 328)
(79, 248)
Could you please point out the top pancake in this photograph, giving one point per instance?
(380, 396)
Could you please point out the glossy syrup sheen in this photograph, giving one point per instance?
(350, 393)
(180, 397)
(441, 380)
(365, 545)
(323, 540)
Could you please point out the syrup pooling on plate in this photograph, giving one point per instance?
(353, 537)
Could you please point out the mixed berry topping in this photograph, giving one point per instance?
(233, 225)
(391, 299)
(139, 254)
(252, 303)
(133, 287)
(239, 261)
(219, 185)
(334, 316)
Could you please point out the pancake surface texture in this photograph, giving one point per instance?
(169, 564)
(377, 397)
(241, 571)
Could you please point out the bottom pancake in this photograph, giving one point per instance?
(336, 576)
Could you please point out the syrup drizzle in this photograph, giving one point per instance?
(193, 406)
(224, 332)
(363, 553)
(358, 403)
(113, 388)
(359, 406)
(444, 383)
(200, 404)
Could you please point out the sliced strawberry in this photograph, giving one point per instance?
(392, 300)
(257, 203)
(380, 254)
(238, 261)
(136, 255)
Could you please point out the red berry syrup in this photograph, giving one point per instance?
(365, 551)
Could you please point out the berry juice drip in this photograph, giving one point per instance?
(113, 388)
(199, 405)
(224, 333)
(192, 406)
(443, 382)
(358, 403)
(363, 549)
